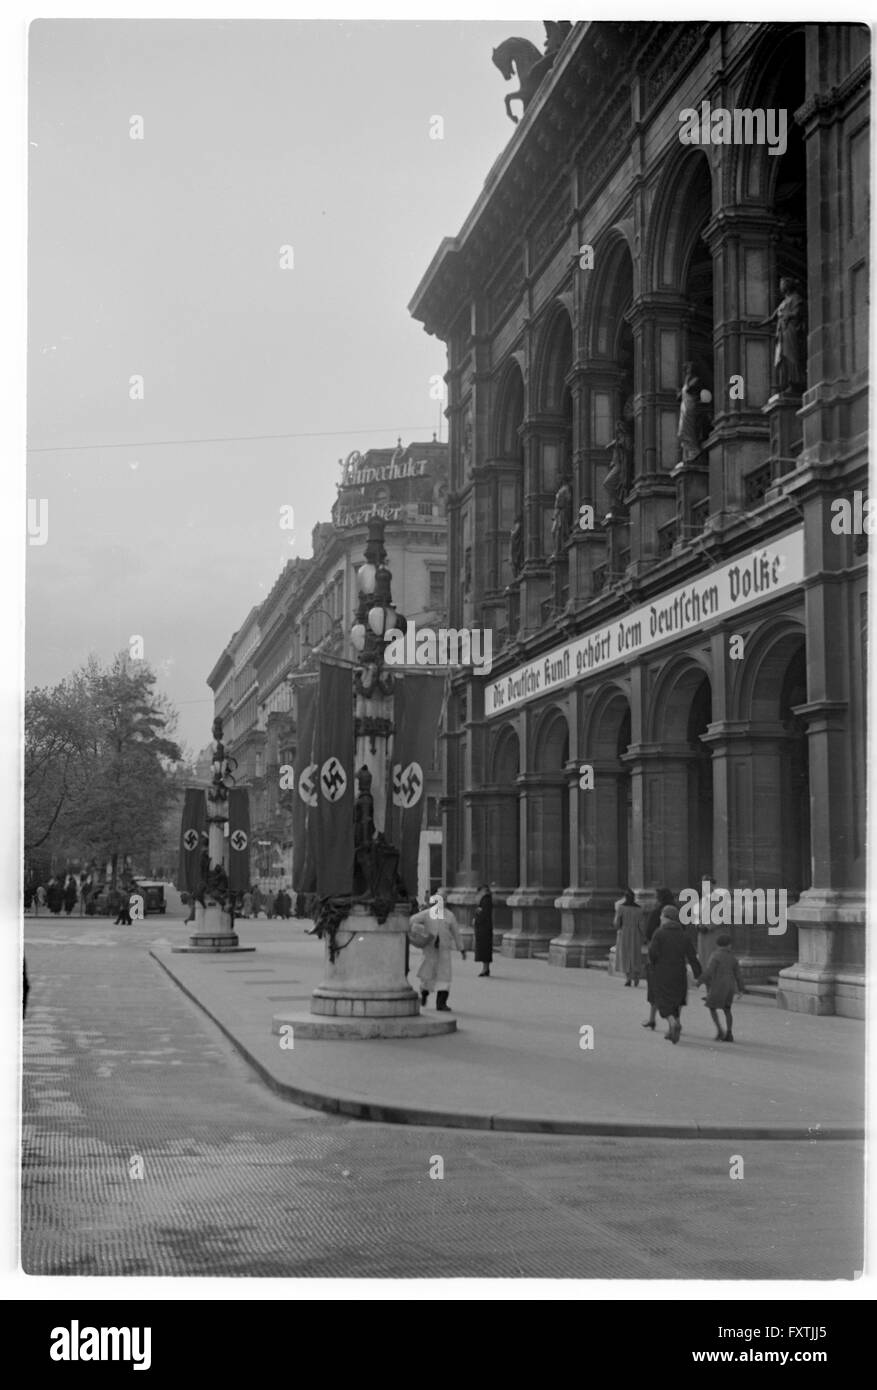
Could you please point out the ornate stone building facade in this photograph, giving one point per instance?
(647, 437)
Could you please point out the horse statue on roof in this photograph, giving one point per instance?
(520, 58)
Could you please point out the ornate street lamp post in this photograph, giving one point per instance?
(365, 992)
(214, 911)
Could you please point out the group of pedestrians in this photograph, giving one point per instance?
(656, 942)
(60, 894)
(254, 902)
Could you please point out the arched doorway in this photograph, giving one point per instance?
(503, 858)
(548, 807)
(677, 795)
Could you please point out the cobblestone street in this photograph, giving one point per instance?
(125, 1075)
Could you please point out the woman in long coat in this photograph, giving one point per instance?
(651, 922)
(442, 933)
(483, 925)
(669, 952)
(629, 922)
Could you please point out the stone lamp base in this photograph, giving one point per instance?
(364, 993)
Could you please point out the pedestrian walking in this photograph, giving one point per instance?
(70, 894)
(483, 925)
(39, 899)
(629, 924)
(55, 896)
(28, 897)
(722, 978)
(247, 904)
(669, 952)
(651, 922)
(440, 933)
(123, 917)
(256, 895)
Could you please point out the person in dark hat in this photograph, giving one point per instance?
(669, 952)
(483, 924)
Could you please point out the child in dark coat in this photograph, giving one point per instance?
(722, 978)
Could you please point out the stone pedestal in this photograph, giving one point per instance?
(829, 975)
(534, 923)
(587, 933)
(364, 993)
(212, 932)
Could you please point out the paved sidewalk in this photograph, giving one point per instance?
(515, 1062)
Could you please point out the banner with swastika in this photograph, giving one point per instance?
(332, 817)
(238, 840)
(193, 838)
(304, 796)
(417, 703)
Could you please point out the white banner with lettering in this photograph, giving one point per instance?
(744, 581)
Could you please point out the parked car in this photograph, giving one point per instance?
(152, 893)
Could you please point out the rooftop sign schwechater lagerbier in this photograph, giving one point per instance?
(744, 581)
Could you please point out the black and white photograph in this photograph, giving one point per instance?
(443, 842)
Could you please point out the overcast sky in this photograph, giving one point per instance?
(160, 257)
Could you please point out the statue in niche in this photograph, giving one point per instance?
(516, 545)
(466, 449)
(790, 353)
(693, 423)
(364, 810)
(618, 479)
(561, 524)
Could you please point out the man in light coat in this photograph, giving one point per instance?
(439, 925)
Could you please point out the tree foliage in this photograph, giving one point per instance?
(98, 763)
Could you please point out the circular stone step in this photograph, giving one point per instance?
(320, 1026)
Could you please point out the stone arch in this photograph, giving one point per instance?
(610, 295)
(551, 741)
(769, 650)
(607, 813)
(508, 413)
(548, 836)
(553, 360)
(772, 811)
(679, 801)
(505, 758)
(503, 827)
(774, 78)
(683, 204)
(671, 698)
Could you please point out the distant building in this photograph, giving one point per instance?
(309, 612)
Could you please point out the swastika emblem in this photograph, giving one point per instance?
(190, 840)
(239, 840)
(333, 779)
(407, 785)
(306, 789)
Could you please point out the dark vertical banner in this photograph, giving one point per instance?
(416, 716)
(305, 793)
(238, 840)
(333, 756)
(193, 829)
